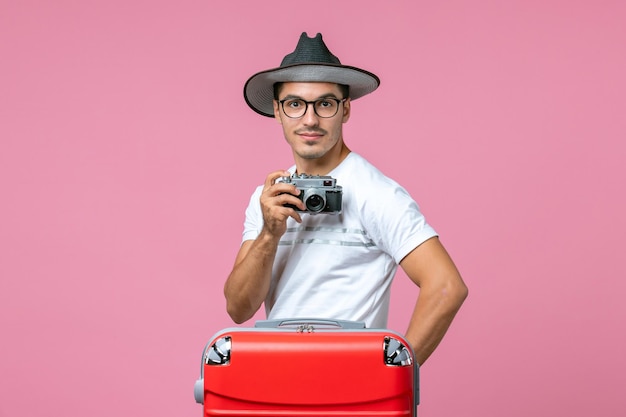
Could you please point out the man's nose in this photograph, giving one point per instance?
(310, 118)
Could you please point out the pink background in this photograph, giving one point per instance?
(127, 156)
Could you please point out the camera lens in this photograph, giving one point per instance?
(315, 202)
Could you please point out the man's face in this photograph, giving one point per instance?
(311, 136)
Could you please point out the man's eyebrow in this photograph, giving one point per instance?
(295, 97)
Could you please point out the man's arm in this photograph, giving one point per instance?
(248, 284)
(442, 292)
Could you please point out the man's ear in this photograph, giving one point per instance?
(346, 110)
(277, 112)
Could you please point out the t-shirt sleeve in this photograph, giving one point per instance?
(396, 223)
(253, 222)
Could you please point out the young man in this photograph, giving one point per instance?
(337, 266)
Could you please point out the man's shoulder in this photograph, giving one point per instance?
(360, 171)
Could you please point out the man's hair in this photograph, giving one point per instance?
(345, 90)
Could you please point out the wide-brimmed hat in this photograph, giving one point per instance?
(310, 62)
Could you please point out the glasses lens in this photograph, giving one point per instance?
(324, 107)
(294, 108)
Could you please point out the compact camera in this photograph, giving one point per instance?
(320, 193)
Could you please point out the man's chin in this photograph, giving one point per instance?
(311, 150)
(311, 155)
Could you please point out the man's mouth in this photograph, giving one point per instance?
(311, 135)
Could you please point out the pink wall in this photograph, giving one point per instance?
(127, 155)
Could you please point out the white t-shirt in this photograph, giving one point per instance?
(340, 266)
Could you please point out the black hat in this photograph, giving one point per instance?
(310, 62)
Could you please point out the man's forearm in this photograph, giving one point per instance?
(248, 284)
(434, 311)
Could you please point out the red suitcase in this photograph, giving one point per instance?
(308, 368)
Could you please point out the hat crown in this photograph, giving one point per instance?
(310, 50)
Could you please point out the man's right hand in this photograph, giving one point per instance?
(273, 199)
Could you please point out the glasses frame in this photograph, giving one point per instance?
(337, 100)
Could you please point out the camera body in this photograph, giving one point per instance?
(320, 193)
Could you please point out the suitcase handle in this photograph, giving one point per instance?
(310, 323)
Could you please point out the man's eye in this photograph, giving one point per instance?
(294, 104)
(324, 103)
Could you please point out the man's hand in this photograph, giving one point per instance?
(273, 199)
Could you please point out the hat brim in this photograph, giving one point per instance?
(259, 89)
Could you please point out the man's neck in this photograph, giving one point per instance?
(322, 166)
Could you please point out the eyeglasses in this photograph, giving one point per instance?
(295, 108)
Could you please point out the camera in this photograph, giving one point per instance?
(320, 193)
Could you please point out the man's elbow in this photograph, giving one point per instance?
(238, 312)
(458, 291)
(234, 306)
